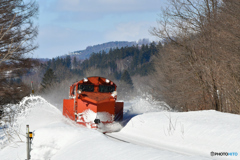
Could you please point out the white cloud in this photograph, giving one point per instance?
(131, 31)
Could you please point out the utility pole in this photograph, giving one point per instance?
(29, 136)
(28, 146)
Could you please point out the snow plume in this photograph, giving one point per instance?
(59, 91)
(146, 103)
(88, 116)
(13, 117)
(28, 102)
(142, 104)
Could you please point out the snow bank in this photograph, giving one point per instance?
(58, 138)
(194, 133)
(12, 120)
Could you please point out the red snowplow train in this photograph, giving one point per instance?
(93, 101)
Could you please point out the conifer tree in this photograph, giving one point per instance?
(49, 79)
(75, 63)
(68, 62)
(127, 78)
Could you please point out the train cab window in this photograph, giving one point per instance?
(86, 87)
(105, 89)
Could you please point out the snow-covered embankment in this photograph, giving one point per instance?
(59, 138)
(190, 135)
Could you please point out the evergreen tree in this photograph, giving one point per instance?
(75, 63)
(134, 63)
(49, 79)
(127, 78)
(68, 62)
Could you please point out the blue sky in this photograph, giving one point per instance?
(70, 25)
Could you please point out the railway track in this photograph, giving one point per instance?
(115, 138)
(124, 139)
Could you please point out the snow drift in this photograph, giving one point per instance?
(170, 135)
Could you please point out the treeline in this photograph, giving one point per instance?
(199, 65)
(119, 65)
(135, 59)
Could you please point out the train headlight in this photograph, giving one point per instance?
(114, 93)
(85, 79)
(107, 81)
(79, 91)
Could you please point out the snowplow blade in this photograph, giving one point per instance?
(68, 108)
(118, 111)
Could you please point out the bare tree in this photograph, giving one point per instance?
(196, 69)
(17, 33)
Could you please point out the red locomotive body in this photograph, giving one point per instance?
(93, 101)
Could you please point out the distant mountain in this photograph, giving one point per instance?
(85, 54)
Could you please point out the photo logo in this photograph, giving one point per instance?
(223, 153)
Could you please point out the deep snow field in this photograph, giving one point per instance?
(152, 131)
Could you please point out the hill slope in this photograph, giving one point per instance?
(85, 54)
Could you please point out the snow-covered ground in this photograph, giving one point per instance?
(153, 133)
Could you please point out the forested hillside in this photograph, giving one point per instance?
(85, 54)
(119, 65)
(135, 59)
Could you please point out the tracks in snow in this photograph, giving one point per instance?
(123, 138)
(115, 138)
